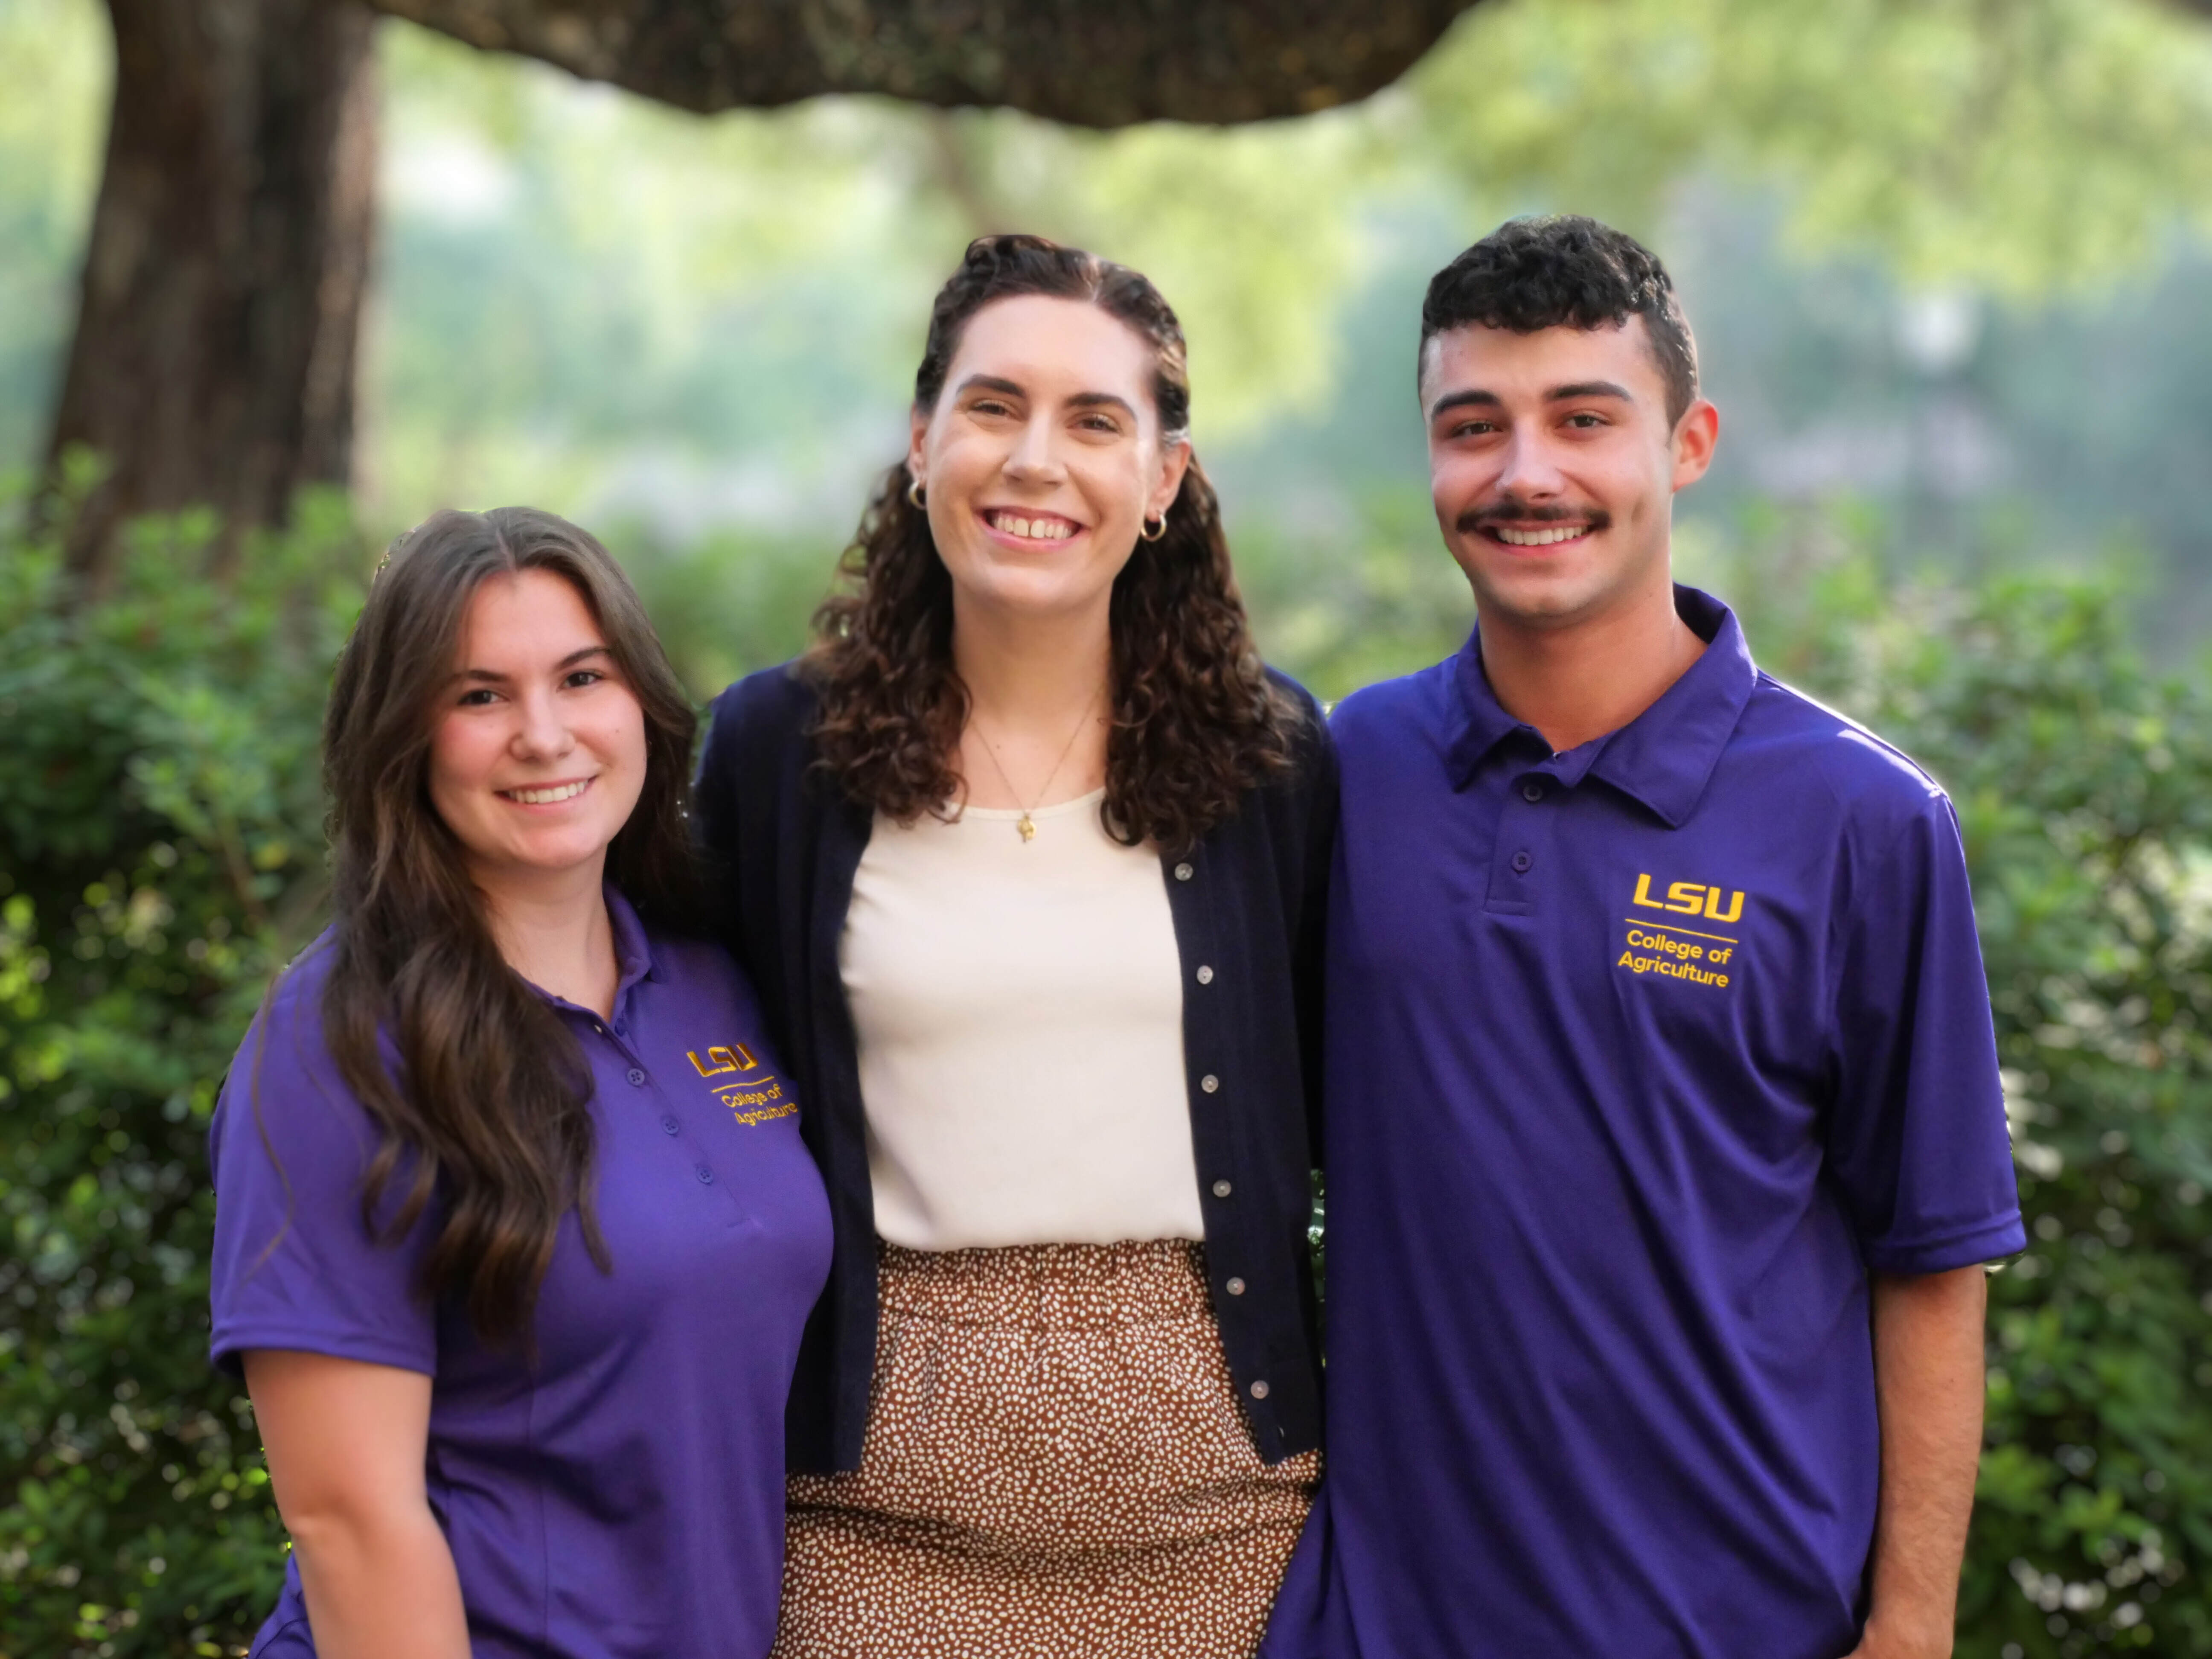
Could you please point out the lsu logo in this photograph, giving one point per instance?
(1689, 898)
(735, 1058)
(751, 1100)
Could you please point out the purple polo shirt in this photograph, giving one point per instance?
(622, 1495)
(1640, 1058)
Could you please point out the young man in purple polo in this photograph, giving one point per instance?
(1664, 1135)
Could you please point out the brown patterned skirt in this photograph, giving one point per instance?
(1056, 1467)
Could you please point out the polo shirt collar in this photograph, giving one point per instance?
(633, 951)
(633, 958)
(1664, 757)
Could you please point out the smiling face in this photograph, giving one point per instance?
(1043, 457)
(1553, 466)
(537, 747)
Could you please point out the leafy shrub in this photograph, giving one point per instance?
(160, 853)
(2084, 787)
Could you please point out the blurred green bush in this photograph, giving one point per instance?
(2084, 787)
(161, 855)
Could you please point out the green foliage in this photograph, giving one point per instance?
(2021, 148)
(728, 603)
(1380, 599)
(54, 87)
(160, 853)
(2084, 787)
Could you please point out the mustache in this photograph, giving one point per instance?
(1510, 509)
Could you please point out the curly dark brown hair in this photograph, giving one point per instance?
(1196, 721)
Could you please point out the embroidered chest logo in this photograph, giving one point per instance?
(752, 1096)
(1683, 940)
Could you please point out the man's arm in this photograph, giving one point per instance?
(1928, 1347)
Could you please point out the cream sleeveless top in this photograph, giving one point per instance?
(1019, 1011)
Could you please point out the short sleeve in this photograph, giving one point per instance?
(1916, 1138)
(295, 1265)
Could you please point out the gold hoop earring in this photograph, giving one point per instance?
(914, 495)
(1151, 534)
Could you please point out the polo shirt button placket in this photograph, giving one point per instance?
(1522, 862)
(1532, 792)
(636, 1078)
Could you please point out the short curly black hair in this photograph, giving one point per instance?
(1565, 271)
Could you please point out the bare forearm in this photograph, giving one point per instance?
(1928, 1346)
(380, 1584)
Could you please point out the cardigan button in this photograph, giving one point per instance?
(1206, 975)
(1184, 872)
(1259, 1390)
(1222, 1190)
(1209, 1083)
(1235, 1287)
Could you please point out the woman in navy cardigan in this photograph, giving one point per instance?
(1027, 856)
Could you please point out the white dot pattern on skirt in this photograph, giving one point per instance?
(1056, 1467)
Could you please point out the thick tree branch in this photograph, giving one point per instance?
(1091, 63)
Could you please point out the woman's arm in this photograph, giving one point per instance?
(345, 1442)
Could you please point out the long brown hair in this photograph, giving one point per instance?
(488, 1108)
(1195, 720)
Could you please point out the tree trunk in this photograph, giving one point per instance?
(213, 363)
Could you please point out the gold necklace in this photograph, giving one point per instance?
(1025, 825)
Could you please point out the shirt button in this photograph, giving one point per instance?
(1183, 873)
(1521, 863)
(1206, 975)
(1235, 1287)
(669, 1126)
(1222, 1190)
(706, 1176)
(1209, 1083)
(600, 1029)
(636, 1078)
(1532, 791)
(1259, 1390)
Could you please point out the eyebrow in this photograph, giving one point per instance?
(486, 675)
(1102, 400)
(1080, 400)
(1560, 394)
(1465, 400)
(1478, 398)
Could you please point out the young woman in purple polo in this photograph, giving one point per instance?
(1029, 852)
(515, 1233)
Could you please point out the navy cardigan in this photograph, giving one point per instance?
(1247, 903)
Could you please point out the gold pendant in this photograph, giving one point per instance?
(1027, 828)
